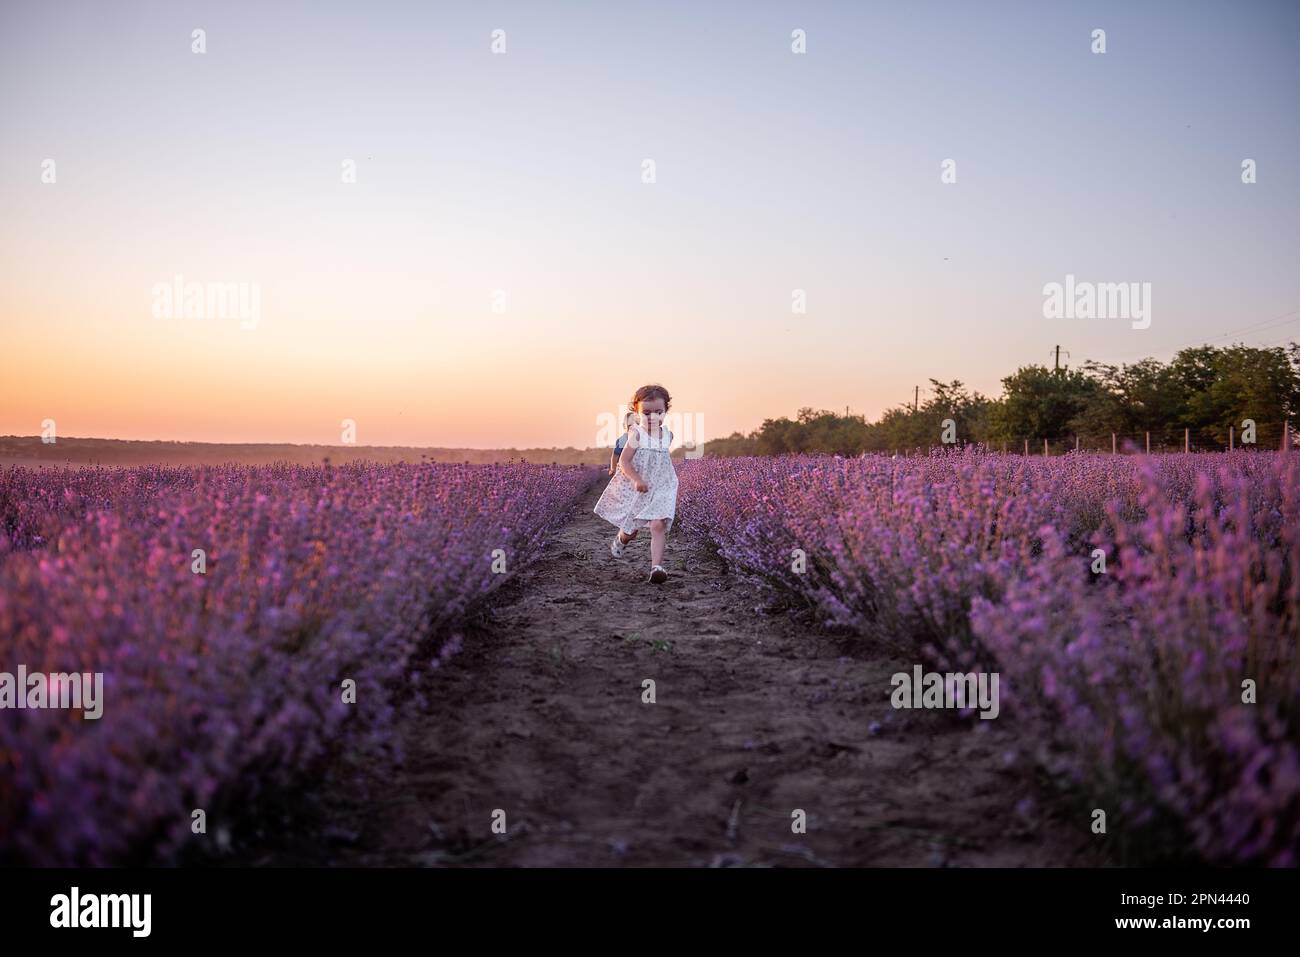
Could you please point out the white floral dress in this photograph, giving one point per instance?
(622, 505)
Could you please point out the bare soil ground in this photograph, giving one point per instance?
(756, 716)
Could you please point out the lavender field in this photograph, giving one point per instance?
(226, 608)
(1143, 613)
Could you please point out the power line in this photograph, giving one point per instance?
(1252, 328)
(1265, 324)
(1288, 338)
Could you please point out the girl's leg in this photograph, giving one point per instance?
(658, 535)
(629, 537)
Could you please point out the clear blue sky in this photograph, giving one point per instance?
(521, 172)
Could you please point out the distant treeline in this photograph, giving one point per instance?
(1206, 390)
(71, 451)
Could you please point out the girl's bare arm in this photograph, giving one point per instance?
(625, 463)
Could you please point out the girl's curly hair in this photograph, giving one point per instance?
(647, 392)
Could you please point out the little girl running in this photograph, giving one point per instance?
(644, 491)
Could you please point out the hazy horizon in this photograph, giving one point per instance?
(339, 445)
(479, 171)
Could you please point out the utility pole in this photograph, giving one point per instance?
(916, 398)
(1057, 367)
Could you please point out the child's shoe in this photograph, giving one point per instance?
(658, 575)
(616, 547)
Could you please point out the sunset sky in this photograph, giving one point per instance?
(522, 172)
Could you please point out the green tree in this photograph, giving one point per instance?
(1205, 389)
(1039, 403)
(1144, 396)
(1223, 386)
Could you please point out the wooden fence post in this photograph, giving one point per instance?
(1231, 439)
(1112, 443)
(1148, 443)
(1026, 446)
(1187, 440)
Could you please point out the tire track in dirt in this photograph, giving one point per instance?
(756, 716)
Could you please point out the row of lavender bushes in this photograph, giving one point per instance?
(224, 686)
(1130, 682)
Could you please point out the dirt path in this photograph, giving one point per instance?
(755, 717)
